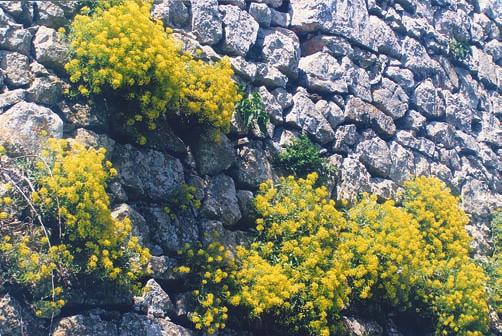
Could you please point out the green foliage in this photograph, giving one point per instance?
(72, 235)
(458, 50)
(181, 199)
(252, 110)
(302, 157)
(310, 261)
(493, 265)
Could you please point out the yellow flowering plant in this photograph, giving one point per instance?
(74, 235)
(143, 63)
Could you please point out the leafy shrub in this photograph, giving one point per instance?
(310, 261)
(144, 64)
(458, 50)
(74, 235)
(302, 157)
(252, 110)
(494, 264)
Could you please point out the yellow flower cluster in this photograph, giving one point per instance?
(78, 235)
(144, 63)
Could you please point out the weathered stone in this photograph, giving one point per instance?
(270, 76)
(221, 201)
(419, 144)
(45, 91)
(453, 23)
(21, 11)
(335, 45)
(307, 117)
(358, 81)
(353, 180)
(331, 111)
(94, 140)
(494, 48)
(10, 98)
(26, 126)
(50, 50)
(15, 38)
(16, 68)
(488, 72)
(243, 68)
(416, 59)
(253, 167)
(134, 324)
(283, 97)
(391, 99)
(50, 14)
(213, 154)
(281, 49)
(139, 225)
(271, 3)
(163, 268)
(206, 21)
(261, 13)
(90, 323)
(361, 112)
(154, 301)
(169, 231)
(346, 136)
(359, 327)
(15, 319)
(246, 205)
(413, 121)
(321, 72)
(272, 106)
(374, 154)
(147, 173)
(379, 37)
(429, 100)
(173, 13)
(240, 31)
(441, 133)
(402, 163)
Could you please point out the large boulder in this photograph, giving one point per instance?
(16, 68)
(307, 117)
(240, 29)
(50, 50)
(206, 21)
(26, 126)
(45, 91)
(221, 201)
(321, 72)
(213, 154)
(147, 174)
(280, 48)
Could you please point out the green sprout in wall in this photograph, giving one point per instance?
(458, 50)
(252, 111)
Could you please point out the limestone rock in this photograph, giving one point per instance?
(402, 165)
(359, 327)
(374, 154)
(154, 303)
(45, 91)
(50, 50)
(346, 136)
(171, 12)
(206, 21)
(134, 324)
(90, 323)
(213, 154)
(243, 68)
(280, 48)
(272, 105)
(240, 29)
(147, 173)
(403, 77)
(441, 133)
(270, 76)
(391, 99)
(366, 114)
(307, 117)
(26, 126)
(353, 179)
(10, 98)
(15, 319)
(253, 167)
(429, 100)
(16, 68)
(221, 201)
(416, 59)
(261, 13)
(139, 225)
(15, 38)
(50, 14)
(321, 72)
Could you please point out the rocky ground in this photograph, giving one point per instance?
(371, 82)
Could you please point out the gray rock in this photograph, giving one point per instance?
(458, 112)
(353, 179)
(163, 268)
(9, 98)
(50, 14)
(253, 167)
(139, 225)
(402, 163)
(45, 91)
(441, 133)
(270, 76)
(422, 164)
(380, 37)
(374, 154)
(15, 38)
(383, 188)
(221, 201)
(79, 114)
(50, 50)
(346, 136)
(154, 302)
(280, 19)
(482, 28)
(366, 114)
(243, 68)
(26, 126)
(453, 24)
(206, 21)
(271, 3)
(172, 13)
(147, 173)
(134, 324)
(308, 118)
(16, 68)
(261, 13)
(171, 232)
(239, 3)
(419, 144)
(94, 140)
(413, 121)
(403, 77)
(90, 323)
(281, 49)
(359, 81)
(283, 97)
(246, 205)
(241, 30)
(21, 11)
(15, 319)
(213, 154)
(332, 112)
(478, 199)
(488, 72)
(466, 143)
(491, 130)
(272, 106)
(321, 72)
(214, 231)
(391, 99)
(429, 100)
(416, 59)
(335, 45)
(494, 48)
(359, 327)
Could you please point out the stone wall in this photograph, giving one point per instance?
(373, 83)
